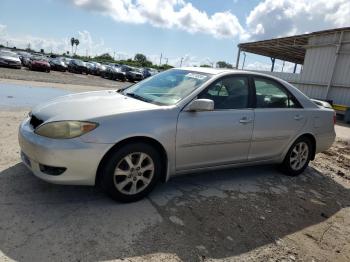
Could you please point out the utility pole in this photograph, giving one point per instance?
(181, 61)
(160, 60)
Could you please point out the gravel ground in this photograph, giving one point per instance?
(59, 77)
(243, 214)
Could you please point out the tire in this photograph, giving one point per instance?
(298, 157)
(131, 184)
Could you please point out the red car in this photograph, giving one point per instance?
(39, 63)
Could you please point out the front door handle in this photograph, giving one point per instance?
(298, 117)
(245, 120)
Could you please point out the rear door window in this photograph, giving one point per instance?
(270, 94)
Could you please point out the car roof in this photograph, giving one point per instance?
(223, 71)
(209, 70)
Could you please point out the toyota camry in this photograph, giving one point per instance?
(179, 121)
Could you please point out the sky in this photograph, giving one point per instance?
(196, 31)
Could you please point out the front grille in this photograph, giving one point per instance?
(35, 122)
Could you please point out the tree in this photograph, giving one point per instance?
(223, 64)
(106, 57)
(76, 42)
(141, 58)
(205, 66)
(72, 42)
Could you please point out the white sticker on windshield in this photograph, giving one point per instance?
(196, 76)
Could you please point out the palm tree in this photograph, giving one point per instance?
(76, 41)
(72, 42)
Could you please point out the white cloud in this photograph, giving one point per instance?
(270, 18)
(274, 18)
(167, 14)
(87, 43)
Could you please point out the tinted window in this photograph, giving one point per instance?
(228, 93)
(270, 94)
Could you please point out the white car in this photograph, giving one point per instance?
(179, 121)
(9, 59)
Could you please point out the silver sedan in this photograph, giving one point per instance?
(180, 121)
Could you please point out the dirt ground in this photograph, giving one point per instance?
(243, 214)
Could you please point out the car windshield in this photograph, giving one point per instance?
(169, 87)
(39, 58)
(8, 53)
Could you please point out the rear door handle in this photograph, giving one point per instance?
(245, 120)
(298, 117)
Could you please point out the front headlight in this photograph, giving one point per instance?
(65, 129)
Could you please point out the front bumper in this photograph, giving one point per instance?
(80, 159)
(10, 64)
(40, 67)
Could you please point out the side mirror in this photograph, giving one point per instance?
(200, 105)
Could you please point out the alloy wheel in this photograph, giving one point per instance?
(299, 156)
(134, 173)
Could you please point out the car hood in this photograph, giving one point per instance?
(89, 105)
(10, 58)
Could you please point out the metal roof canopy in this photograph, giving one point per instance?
(291, 48)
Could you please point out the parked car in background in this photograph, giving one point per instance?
(322, 103)
(24, 57)
(102, 69)
(147, 72)
(26, 60)
(114, 73)
(179, 121)
(66, 60)
(58, 64)
(89, 67)
(39, 63)
(77, 66)
(94, 68)
(132, 74)
(9, 59)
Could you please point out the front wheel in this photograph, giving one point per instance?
(298, 157)
(131, 172)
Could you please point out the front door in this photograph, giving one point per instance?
(217, 137)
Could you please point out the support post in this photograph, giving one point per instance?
(334, 64)
(273, 63)
(244, 54)
(238, 56)
(295, 68)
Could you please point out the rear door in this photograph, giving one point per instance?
(279, 117)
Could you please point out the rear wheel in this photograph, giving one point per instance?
(131, 172)
(298, 157)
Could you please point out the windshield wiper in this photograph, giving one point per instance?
(133, 95)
